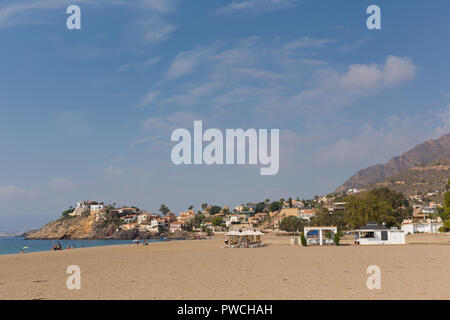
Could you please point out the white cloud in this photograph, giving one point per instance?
(179, 119)
(146, 63)
(257, 6)
(186, 62)
(268, 75)
(371, 145)
(307, 42)
(156, 30)
(444, 126)
(159, 5)
(13, 191)
(143, 140)
(332, 90)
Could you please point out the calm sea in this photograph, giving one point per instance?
(13, 245)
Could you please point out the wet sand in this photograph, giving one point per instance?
(201, 269)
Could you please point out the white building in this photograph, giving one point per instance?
(421, 227)
(155, 223)
(81, 208)
(97, 207)
(373, 234)
(142, 218)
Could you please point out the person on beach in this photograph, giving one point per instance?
(356, 239)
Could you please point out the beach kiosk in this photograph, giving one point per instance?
(244, 239)
(373, 234)
(315, 235)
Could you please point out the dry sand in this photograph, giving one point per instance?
(201, 269)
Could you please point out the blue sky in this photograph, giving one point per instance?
(87, 114)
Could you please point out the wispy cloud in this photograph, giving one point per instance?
(307, 42)
(264, 76)
(257, 6)
(154, 28)
(13, 191)
(148, 99)
(144, 64)
(143, 140)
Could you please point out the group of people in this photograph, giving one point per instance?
(58, 246)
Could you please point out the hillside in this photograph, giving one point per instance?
(426, 152)
(425, 180)
(86, 227)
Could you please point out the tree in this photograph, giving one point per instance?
(198, 219)
(164, 210)
(215, 209)
(189, 226)
(290, 202)
(324, 218)
(291, 224)
(217, 221)
(66, 213)
(275, 206)
(190, 207)
(445, 227)
(446, 212)
(381, 205)
(204, 206)
(260, 207)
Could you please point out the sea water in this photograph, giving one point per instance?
(15, 244)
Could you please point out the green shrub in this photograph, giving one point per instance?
(337, 238)
(303, 239)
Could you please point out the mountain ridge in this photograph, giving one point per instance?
(422, 153)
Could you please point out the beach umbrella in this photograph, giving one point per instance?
(25, 248)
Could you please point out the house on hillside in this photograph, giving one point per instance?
(130, 218)
(175, 226)
(307, 214)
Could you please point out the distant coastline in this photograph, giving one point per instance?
(11, 235)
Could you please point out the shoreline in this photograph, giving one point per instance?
(155, 240)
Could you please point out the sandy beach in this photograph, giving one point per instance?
(201, 269)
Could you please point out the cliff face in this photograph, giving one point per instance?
(423, 153)
(69, 228)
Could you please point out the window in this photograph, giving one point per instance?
(384, 235)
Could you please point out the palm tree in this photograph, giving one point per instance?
(164, 210)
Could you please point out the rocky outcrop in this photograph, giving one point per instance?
(81, 227)
(89, 227)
